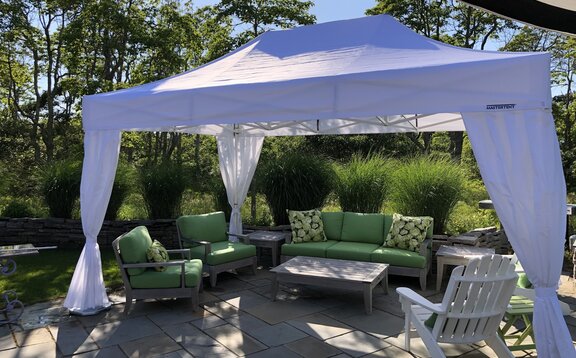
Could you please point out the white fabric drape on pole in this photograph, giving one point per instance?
(519, 159)
(87, 294)
(238, 156)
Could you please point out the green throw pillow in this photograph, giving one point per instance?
(407, 232)
(157, 253)
(306, 226)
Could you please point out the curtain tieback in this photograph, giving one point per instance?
(545, 292)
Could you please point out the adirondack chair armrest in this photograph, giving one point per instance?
(412, 297)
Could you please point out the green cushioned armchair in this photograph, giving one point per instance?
(181, 278)
(207, 239)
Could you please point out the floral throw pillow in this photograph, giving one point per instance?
(407, 232)
(306, 226)
(157, 253)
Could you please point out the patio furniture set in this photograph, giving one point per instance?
(353, 258)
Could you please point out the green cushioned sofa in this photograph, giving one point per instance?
(180, 278)
(360, 237)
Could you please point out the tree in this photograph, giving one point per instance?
(258, 16)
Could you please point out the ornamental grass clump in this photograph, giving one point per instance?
(426, 186)
(162, 188)
(362, 184)
(295, 181)
(60, 186)
(120, 190)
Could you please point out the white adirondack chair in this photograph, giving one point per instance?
(471, 310)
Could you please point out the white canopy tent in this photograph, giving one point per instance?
(366, 75)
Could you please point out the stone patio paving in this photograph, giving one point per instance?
(238, 319)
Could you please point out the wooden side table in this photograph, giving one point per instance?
(520, 308)
(269, 239)
(456, 255)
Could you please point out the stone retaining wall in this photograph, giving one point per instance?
(66, 233)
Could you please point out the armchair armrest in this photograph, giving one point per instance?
(245, 239)
(155, 264)
(180, 251)
(425, 247)
(409, 296)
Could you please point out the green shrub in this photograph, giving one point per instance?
(120, 190)
(466, 217)
(18, 208)
(362, 184)
(60, 186)
(218, 191)
(162, 188)
(428, 186)
(295, 181)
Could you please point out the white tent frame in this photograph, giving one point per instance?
(514, 140)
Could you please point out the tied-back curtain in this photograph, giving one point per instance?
(86, 294)
(238, 157)
(519, 159)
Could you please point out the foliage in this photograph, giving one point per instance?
(260, 16)
(428, 186)
(295, 181)
(220, 197)
(120, 190)
(466, 217)
(18, 208)
(162, 187)
(60, 186)
(363, 183)
(47, 276)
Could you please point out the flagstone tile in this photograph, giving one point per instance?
(151, 346)
(72, 338)
(320, 326)
(357, 343)
(235, 340)
(123, 331)
(310, 347)
(278, 334)
(196, 342)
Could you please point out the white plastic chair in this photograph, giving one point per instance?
(471, 310)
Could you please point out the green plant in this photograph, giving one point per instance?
(162, 188)
(295, 181)
(362, 184)
(60, 185)
(18, 208)
(120, 190)
(466, 217)
(428, 186)
(220, 196)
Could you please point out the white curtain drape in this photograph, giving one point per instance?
(238, 157)
(86, 294)
(519, 159)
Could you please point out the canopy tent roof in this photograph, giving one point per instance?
(368, 75)
(354, 76)
(556, 15)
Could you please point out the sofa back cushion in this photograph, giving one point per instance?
(206, 227)
(133, 246)
(358, 227)
(333, 224)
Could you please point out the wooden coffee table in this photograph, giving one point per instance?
(344, 274)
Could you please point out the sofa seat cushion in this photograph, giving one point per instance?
(315, 249)
(357, 251)
(223, 252)
(398, 257)
(333, 224)
(170, 278)
(133, 247)
(365, 228)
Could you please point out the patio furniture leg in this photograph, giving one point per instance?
(368, 298)
(254, 266)
(274, 289)
(498, 346)
(213, 277)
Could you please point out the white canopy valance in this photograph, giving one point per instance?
(367, 75)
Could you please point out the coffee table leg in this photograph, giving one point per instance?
(274, 255)
(368, 298)
(439, 273)
(274, 289)
(384, 282)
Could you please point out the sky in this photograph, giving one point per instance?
(325, 10)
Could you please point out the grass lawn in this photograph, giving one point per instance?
(46, 276)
